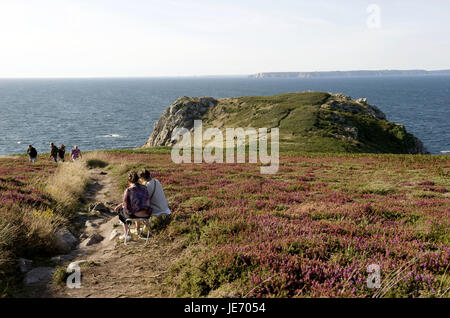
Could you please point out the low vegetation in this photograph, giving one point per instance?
(311, 230)
(67, 184)
(35, 200)
(316, 122)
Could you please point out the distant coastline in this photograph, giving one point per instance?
(359, 73)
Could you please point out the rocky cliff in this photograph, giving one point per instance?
(307, 121)
(182, 114)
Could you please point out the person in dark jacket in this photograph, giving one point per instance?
(62, 152)
(53, 152)
(32, 152)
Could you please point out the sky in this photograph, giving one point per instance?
(150, 38)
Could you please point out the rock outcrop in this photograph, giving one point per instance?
(38, 274)
(91, 240)
(181, 113)
(340, 106)
(100, 207)
(65, 241)
(25, 265)
(344, 103)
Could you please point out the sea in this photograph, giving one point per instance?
(120, 112)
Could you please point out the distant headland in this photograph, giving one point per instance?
(360, 73)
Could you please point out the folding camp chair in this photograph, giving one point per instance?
(147, 221)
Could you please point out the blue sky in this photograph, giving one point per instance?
(90, 38)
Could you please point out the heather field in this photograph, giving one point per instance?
(26, 214)
(31, 211)
(311, 230)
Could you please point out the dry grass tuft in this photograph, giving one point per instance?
(100, 155)
(42, 225)
(67, 185)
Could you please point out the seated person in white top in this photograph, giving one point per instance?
(158, 201)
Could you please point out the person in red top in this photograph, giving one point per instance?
(135, 203)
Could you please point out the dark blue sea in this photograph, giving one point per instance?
(120, 113)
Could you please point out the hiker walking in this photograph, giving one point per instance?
(32, 152)
(53, 152)
(62, 152)
(75, 153)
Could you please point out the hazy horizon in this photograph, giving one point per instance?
(209, 75)
(154, 38)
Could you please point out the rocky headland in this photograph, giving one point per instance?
(307, 121)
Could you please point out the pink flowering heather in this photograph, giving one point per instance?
(312, 229)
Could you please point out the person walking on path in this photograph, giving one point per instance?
(32, 152)
(53, 152)
(75, 153)
(62, 152)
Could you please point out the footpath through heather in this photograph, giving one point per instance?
(108, 267)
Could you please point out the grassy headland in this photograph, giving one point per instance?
(307, 122)
(306, 125)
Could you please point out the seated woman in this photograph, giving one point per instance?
(158, 200)
(135, 202)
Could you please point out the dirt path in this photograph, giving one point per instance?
(113, 269)
(109, 268)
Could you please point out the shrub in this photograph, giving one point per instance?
(96, 163)
(60, 276)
